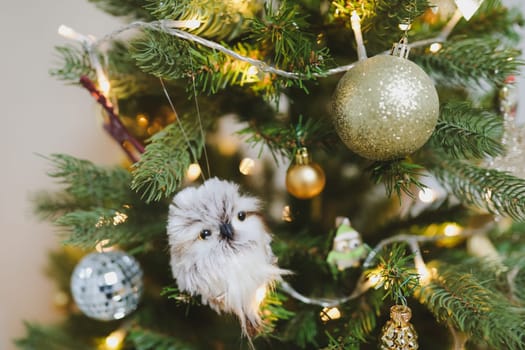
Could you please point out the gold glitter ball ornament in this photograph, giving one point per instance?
(398, 333)
(304, 178)
(385, 107)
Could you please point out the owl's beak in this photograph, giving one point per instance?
(226, 230)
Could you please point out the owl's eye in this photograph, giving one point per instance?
(204, 234)
(241, 215)
(354, 244)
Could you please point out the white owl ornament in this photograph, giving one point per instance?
(220, 250)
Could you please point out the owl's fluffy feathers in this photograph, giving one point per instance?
(225, 271)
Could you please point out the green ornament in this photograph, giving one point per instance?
(348, 248)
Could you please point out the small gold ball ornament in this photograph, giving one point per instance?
(304, 178)
(398, 333)
(385, 107)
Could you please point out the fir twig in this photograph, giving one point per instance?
(75, 63)
(465, 302)
(163, 166)
(89, 184)
(466, 132)
(283, 33)
(496, 191)
(49, 338)
(284, 141)
(124, 8)
(396, 274)
(397, 176)
(142, 339)
(471, 61)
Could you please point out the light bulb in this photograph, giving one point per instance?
(193, 173)
(115, 339)
(426, 195)
(331, 313)
(246, 167)
(435, 47)
(452, 230)
(468, 7)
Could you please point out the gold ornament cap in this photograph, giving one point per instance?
(400, 314)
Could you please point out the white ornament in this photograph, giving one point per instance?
(220, 250)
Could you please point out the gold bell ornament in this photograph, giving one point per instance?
(304, 179)
(398, 333)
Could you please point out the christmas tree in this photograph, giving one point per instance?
(298, 174)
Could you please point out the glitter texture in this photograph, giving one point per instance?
(107, 286)
(385, 108)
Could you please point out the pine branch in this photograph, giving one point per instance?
(397, 175)
(396, 274)
(75, 63)
(49, 206)
(124, 8)
(273, 311)
(142, 339)
(465, 302)
(123, 226)
(471, 61)
(493, 190)
(163, 166)
(302, 329)
(380, 19)
(89, 184)
(284, 141)
(49, 338)
(162, 55)
(221, 20)
(466, 132)
(171, 58)
(282, 32)
(493, 19)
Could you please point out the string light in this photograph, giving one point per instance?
(468, 7)
(287, 214)
(88, 42)
(452, 230)
(102, 247)
(193, 172)
(435, 47)
(190, 24)
(331, 313)
(427, 195)
(356, 27)
(247, 166)
(114, 340)
(404, 26)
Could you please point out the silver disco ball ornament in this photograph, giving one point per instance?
(107, 286)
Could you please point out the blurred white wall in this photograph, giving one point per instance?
(39, 115)
(42, 115)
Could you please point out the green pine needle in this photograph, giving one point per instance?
(161, 169)
(496, 191)
(124, 8)
(466, 132)
(460, 299)
(397, 176)
(74, 64)
(141, 339)
(471, 62)
(396, 274)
